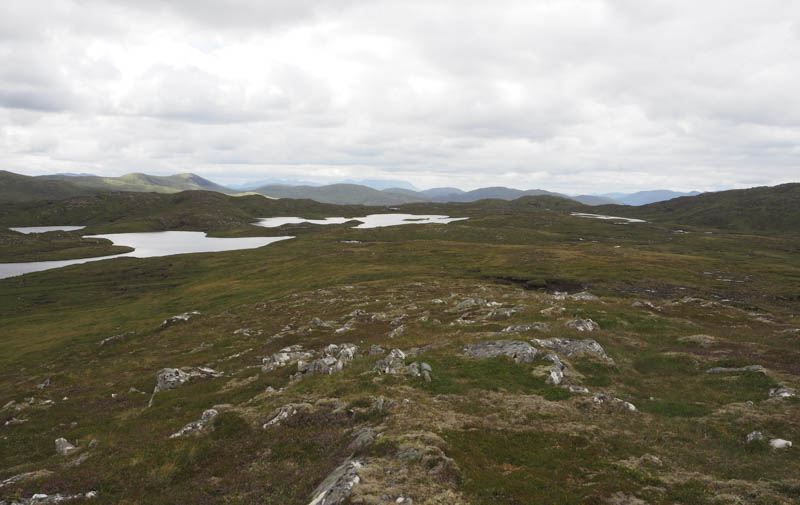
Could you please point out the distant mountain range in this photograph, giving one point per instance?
(15, 187)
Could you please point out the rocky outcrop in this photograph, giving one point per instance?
(556, 374)
(45, 499)
(38, 474)
(583, 325)
(519, 328)
(63, 447)
(180, 318)
(571, 347)
(334, 358)
(520, 352)
(206, 419)
(779, 443)
(393, 363)
(781, 392)
(749, 368)
(283, 413)
(501, 314)
(284, 357)
(338, 486)
(171, 378)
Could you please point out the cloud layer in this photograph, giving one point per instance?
(570, 95)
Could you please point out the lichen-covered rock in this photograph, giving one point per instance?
(749, 368)
(583, 296)
(470, 303)
(556, 374)
(582, 325)
(284, 357)
(363, 438)
(281, 414)
(501, 314)
(180, 318)
(518, 328)
(779, 443)
(337, 486)
(334, 358)
(207, 417)
(63, 447)
(572, 347)
(520, 352)
(45, 499)
(38, 474)
(393, 363)
(171, 378)
(781, 392)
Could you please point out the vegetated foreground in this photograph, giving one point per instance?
(517, 357)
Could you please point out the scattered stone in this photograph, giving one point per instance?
(44, 499)
(397, 331)
(180, 318)
(44, 384)
(501, 314)
(552, 311)
(583, 296)
(526, 327)
(571, 347)
(520, 352)
(578, 389)
(38, 474)
(281, 414)
(413, 369)
(470, 303)
(63, 447)
(363, 438)
(171, 378)
(334, 358)
(582, 325)
(134, 390)
(284, 357)
(375, 350)
(207, 417)
(120, 337)
(781, 392)
(754, 436)
(392, 363)
(338, 486)
(749, 368)
(93, 443)
(779, 443)
(640, 304)
(11, 404)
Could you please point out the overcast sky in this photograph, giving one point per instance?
(583, 96)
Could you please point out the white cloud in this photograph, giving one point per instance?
(575, 96)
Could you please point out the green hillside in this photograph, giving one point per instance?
(141, 182)
(21, 188)
(768, 208)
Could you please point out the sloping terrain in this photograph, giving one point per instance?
(21, 188)
(768, 208)
(521, 356)
(342, 194)
(142, 182)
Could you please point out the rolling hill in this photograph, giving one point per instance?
(766, 208)
(22, 188)
(142, 182)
